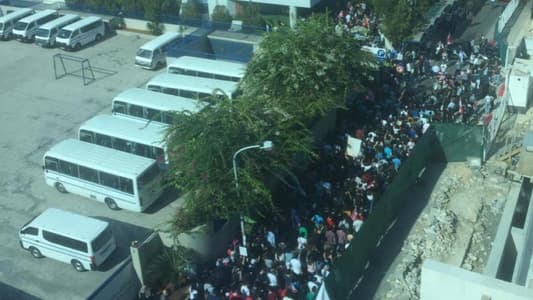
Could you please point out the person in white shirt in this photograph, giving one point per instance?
(272, 279)
(296, 266)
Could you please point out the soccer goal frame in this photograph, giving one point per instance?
(60, 69)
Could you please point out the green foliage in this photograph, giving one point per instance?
(221, 14)
(400, 18)
(296, 77)
(251, 17)
(168, 266)
(190, 10)
(203, 145)
(308, 71)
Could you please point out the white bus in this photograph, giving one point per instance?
(7, 22)
(81, 241)
(146, 105)
(152, 55)
(45, 35)
(26, 28)
(207, 68)
(191, 87)
(127, 135)
(81, 33)
(119, 179)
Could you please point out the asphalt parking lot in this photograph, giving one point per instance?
(37, 111)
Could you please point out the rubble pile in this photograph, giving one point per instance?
(434, 240)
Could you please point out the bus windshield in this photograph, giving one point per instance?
(42, 32)
(64, 33)
(21, 25)
(144, 53)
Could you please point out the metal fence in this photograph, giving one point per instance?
(349, 268)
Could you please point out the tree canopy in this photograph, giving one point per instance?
(308, 71)
(295, 78)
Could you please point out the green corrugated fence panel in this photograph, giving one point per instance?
(351, 265)
(460, 142)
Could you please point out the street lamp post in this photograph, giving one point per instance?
(267, 146)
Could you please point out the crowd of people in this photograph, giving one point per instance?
(290, 257)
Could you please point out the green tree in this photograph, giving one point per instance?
(400, 18)
(152, 13)
(308, 71)
(202, 146)
(221, 14)
(190, 10)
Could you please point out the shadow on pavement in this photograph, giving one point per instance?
(9, 292)
(125, 234)
(383, 258)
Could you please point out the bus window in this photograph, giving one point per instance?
(136, 111)
(109, 180)
(126, 185)
(188, 94)
(141, 150)
(168, 118)
(151, 114)
(86, 136)
(171, 91)
(121, 145)
(175, 70)
(154, 88)
(103, 140)
(68, 168)
(50, 163)
(189, 73)
(88, 174)
(120, 107)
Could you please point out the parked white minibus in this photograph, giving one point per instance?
(191, 87)
(207, 68)
(81, 241)
(81, 33)
(45, 36)
(152, 55)
(145, 105)
(7, 22)
(128, 135)
(26, 28)
(119, 179)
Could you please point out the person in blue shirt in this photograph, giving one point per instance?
(397, 163)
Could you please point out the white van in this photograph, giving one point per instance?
(25, 28)
(81, 33)
(7, 22)
(81, 241)
(152, 55)
(46, 34)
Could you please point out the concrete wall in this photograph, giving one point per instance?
(442, 282)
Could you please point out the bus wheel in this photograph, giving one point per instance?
(111, 204)
(35, 252)
(60, 187)
(98, 37)
(77, 265)
(77, 47)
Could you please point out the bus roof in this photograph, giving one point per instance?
(101, 158)
(192, 83)
(160, 40)
(74, 225)
(60, 21)
(38, 15)
(152, 133)
(15, 14)
(81, 23)
(226, 68)
(159, 101)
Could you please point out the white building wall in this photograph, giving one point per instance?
(440, 281)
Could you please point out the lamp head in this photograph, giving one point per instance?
(267, 145)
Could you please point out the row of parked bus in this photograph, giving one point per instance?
(47, 28)
(119, 158)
